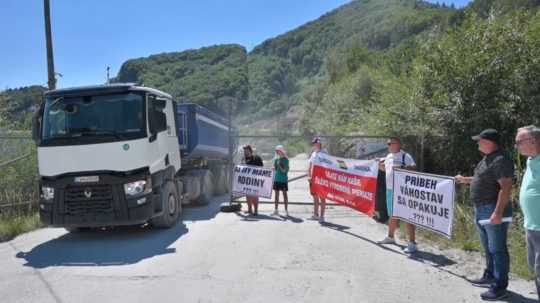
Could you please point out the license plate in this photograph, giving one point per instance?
(87, 179)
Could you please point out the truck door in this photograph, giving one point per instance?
(163, 132)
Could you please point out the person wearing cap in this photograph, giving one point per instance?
(396, 158)
(281, 167)
(251, 159)
(491, 187)
(528, 144)
(319, 203)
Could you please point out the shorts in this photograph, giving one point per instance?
(389, 197)
(283, 186)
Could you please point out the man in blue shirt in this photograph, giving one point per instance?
(528, 144)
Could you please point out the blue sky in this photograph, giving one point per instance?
(457, 3)
(88, 36)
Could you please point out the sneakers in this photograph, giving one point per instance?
(387, 240)
(484, 281)
(314, 217)
(494, 294)
(287, 213)
(275, 213)
(411, 248)
(321, 219)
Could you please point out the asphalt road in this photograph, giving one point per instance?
(231, 257)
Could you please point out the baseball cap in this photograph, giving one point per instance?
(316, 140)
(488, 134)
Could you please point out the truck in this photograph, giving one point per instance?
(123, 154)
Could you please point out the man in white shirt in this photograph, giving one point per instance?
(401, 159)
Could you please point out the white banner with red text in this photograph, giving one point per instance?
(349, 182)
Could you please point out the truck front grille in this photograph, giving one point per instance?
(80, 200)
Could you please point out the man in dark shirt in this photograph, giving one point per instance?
(491, 186)
(251, 159)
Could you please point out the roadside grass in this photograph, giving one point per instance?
(465, 235)
(16, 222)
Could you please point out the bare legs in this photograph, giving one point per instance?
(253, 203)
(285, 200)
(392, 226)
(319, 206)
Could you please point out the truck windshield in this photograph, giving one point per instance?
(93, 119)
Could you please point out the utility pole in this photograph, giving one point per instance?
(48, 38)
(231, 159)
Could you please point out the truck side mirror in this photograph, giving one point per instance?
(152, 126)
(160, 104)
(157, 120)
(157, 123)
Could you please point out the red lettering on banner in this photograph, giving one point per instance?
(357, 192)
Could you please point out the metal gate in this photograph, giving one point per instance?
(299, 148)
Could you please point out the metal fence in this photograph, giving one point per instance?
(299, 149)
(18, 172)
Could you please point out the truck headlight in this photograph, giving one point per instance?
(47, 193)
(137, 188)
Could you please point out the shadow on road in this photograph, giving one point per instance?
(434, 260)
(259, 217)
(517, 298)
(292, 219)
(205, 212)
(115, 246)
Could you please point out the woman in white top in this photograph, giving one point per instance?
(319, 203)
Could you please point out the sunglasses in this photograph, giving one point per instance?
(390, 143)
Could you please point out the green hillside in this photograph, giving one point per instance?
(17, 105)
(207, 76)
(282, 67)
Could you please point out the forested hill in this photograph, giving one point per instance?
(207, 76)
(282, 67)
(279, 69)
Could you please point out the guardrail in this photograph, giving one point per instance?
(9, 162)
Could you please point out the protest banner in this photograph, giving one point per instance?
(349, 182)
(253, 181)
(424, 200)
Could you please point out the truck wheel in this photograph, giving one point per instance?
(171, 208)
(207, 187)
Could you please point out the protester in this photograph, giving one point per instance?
(251, 159)
(491, 186)
(281, 167)
(396, 158)
(319, 203)
(528, 144)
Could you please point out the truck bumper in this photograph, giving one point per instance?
(97, 204)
